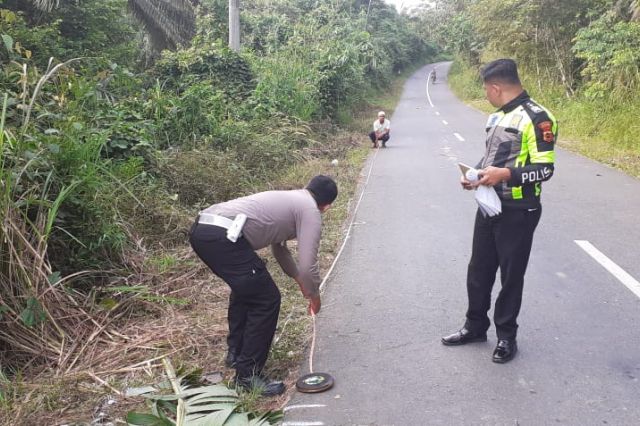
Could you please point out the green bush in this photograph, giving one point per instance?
(74, 29)
(203, 177)
(465, 79)
(20, 40)
(610, 51)
(287, 85)
(209, 62)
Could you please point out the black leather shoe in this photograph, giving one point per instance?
(230, 360)
(262, 385)
(505, 351)
(462, 337)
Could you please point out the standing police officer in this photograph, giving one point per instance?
(226, 235)
(519, 156)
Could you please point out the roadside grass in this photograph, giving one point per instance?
(173, 306)
(361, 118)
(604, 130)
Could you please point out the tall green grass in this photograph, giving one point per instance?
(31, 297)
(286, 85)
(60, 202)
(465, 81)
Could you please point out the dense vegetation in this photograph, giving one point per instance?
(121, 118)
(580, 58)
(109, 146)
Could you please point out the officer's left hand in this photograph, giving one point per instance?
(314, 305)
(466, 184)
(491, 175)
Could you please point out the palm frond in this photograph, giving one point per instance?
(169, 22)
(197, 406)
(635, 10)
(46, 5)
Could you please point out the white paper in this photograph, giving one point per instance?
(486, 196)
(488, 201)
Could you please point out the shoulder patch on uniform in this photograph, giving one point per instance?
(546, 129)
(493, 120)
(515, 121)
(534, 108)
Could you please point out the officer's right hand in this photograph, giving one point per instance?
(314, 305)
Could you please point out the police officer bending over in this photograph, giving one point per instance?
(254, 222)
(519, 156)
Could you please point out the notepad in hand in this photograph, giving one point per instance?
(469, 173)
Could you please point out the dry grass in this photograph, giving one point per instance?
(127, 348)
(178, 311)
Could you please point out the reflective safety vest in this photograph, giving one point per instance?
(521, 136)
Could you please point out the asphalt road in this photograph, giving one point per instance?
(399, 286)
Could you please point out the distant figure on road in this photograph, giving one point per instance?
(519, 155)
(381, 130)
(433, 76)
(225, 236)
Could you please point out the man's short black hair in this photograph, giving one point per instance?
(502, 71)
(323, 189)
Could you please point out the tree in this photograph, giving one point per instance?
(538, 33)
(169, 23)
(46, 5)
(448, 23)
(609, 49)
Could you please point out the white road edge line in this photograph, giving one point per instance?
(428, 80)
(445, 122)
(302, 424)
(324, 280)
(608, 264)
(344, 243)
(437, 113)
(353, 218)
(460, 138)
(296, 407)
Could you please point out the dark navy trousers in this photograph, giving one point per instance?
(501, 242)
(254, 303)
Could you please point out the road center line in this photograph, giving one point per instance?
(608, 264)
(460, 138)
(350, 226)
(445, 122)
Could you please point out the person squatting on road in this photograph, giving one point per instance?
(519, 155)
(270, 218)
(381, 130)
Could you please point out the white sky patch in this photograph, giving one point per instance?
(406, 4)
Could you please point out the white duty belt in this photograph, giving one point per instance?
(215, 219)
(233, 227)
